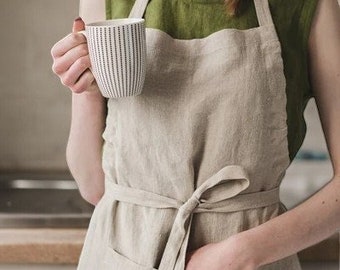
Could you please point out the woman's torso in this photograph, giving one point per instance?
(207, 103)
(188, 19)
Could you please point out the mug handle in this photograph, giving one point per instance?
(83, 32)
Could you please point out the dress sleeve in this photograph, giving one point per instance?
(116, 9)
(306, 19)
(307, 13)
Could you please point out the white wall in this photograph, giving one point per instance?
(34, 106)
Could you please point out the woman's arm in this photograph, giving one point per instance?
(84, 147)
(92, 10)
(318, 217)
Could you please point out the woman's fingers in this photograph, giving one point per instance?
(63, 63)
(71, 61)
(71, 76)
(67, 43)
(78, 25)
(84, 82)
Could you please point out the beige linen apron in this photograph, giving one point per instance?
(199, 155)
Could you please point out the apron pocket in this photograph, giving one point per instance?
(117, 261)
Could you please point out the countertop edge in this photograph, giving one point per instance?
(63, 246)
(50, 246)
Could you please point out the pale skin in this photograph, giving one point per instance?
(83, 152)
(296, 229)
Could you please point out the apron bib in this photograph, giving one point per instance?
(199, 155)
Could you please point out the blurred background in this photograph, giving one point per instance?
(39, 202)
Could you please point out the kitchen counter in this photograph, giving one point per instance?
(63, 246)
(57, 246)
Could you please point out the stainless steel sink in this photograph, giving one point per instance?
(42, 200)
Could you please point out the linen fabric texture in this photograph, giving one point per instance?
(189, 19)
(200, 155)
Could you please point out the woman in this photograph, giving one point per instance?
(193, 165)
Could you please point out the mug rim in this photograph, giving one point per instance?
(112, 22)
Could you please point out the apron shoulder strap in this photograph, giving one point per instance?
(263, 13)
(138, 9)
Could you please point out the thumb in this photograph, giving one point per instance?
(78, 25)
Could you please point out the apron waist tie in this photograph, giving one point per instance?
(219, 193)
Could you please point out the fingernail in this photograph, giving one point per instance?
(77, 19)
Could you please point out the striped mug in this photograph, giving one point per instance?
(117, 51)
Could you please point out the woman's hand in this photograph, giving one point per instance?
(71, 61)
(231, 254)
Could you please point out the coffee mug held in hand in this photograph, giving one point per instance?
(117, 52)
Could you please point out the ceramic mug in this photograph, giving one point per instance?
(117, 51)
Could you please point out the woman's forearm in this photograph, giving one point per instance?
(71, 62)
(84, 148)
(312, 221)
(318, 217)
